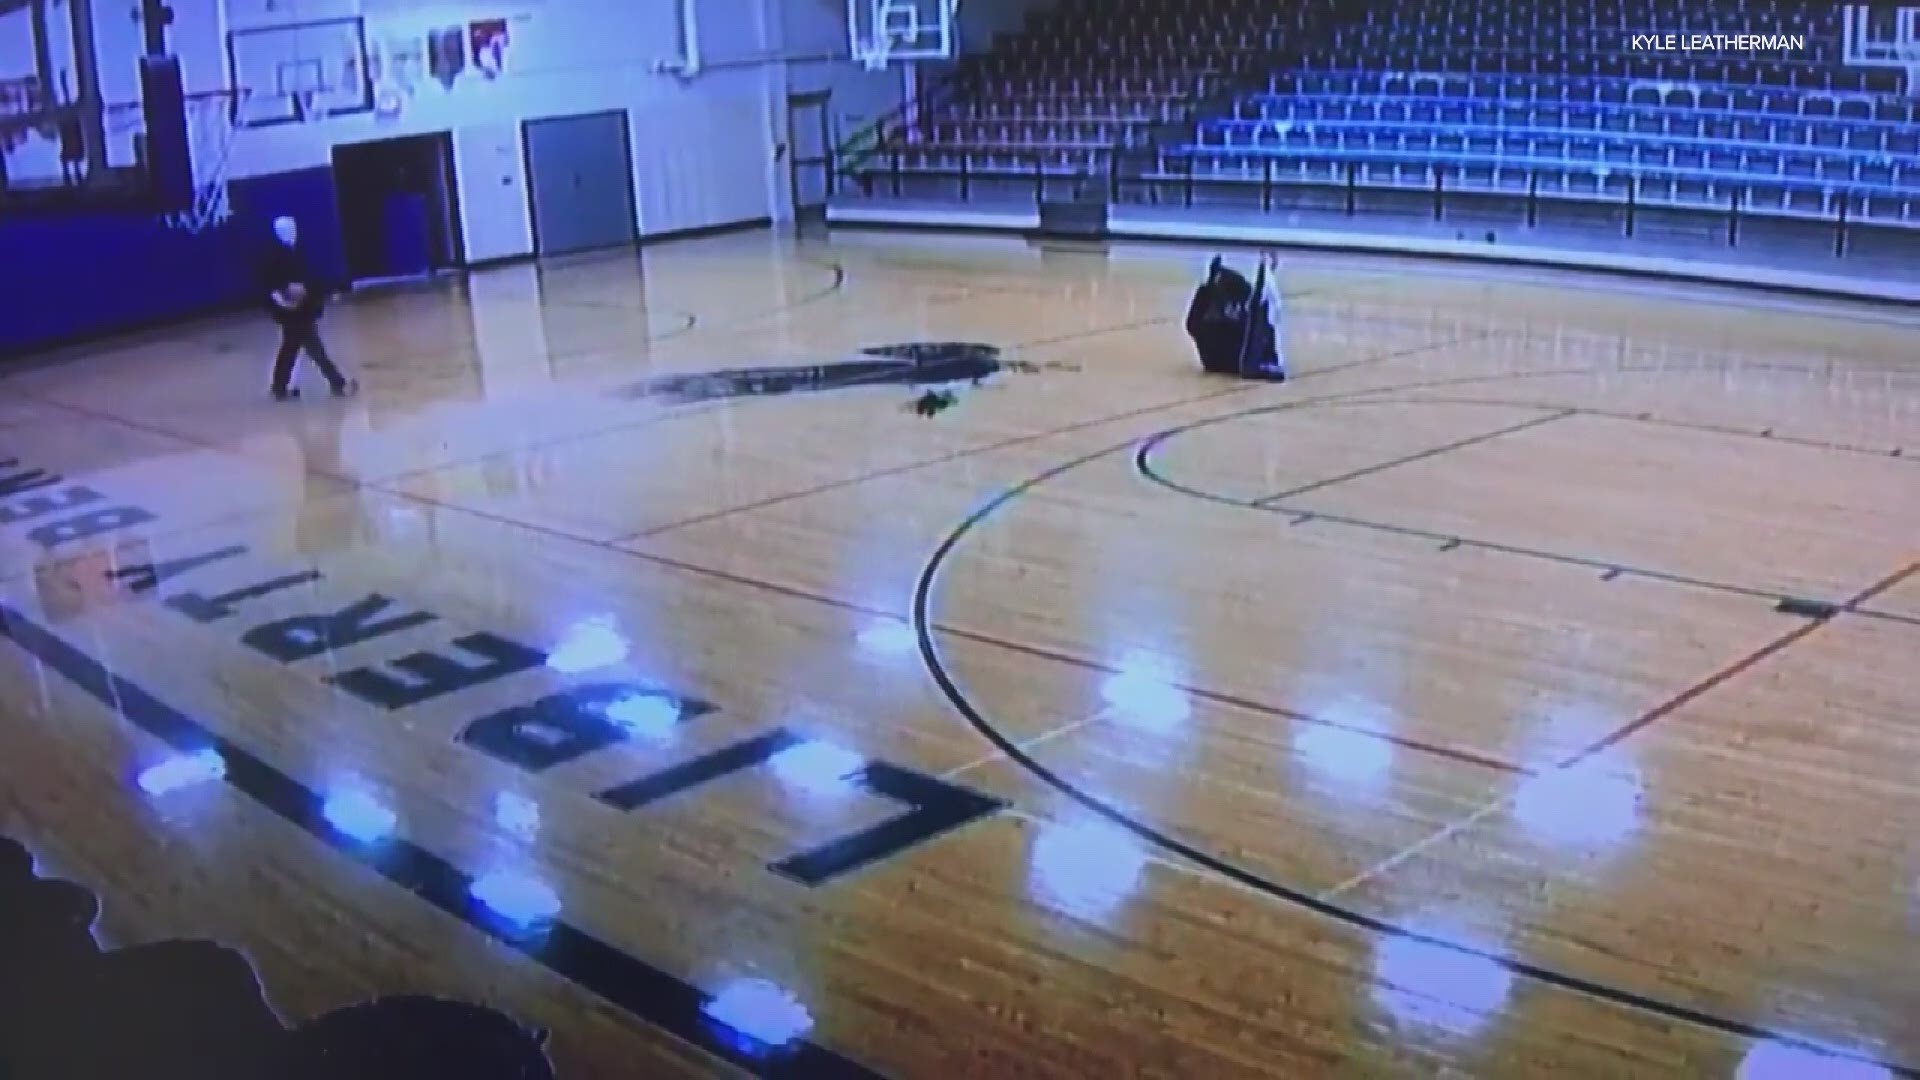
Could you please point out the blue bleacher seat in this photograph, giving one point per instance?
(1807, 200)
(1763, 163)
(1493, 91)
(1891, 209)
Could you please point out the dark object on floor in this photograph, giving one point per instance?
(1232, 326)
(935, 402)
(912, 364)
(193, 1010)
(1810, 609)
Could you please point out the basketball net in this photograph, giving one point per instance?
(878, 50)
(211, 118)
(211, 125)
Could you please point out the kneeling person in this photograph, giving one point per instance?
(1235, 324)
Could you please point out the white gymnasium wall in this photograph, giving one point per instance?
(703, 144)
(16, 44)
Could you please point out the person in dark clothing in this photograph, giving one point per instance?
(295, 300)
(1234, 324)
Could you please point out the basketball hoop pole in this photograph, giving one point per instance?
(211, 118)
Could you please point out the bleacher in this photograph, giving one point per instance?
(1090, 76)
(1503, 97)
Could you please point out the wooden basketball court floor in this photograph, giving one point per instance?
(1525, 689)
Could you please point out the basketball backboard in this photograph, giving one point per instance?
(883, 31)
(301, 71)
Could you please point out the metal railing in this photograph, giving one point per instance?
(1169, 179)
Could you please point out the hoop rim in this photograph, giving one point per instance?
(200, 107)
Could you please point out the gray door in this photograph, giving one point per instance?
(580, 182)
(810, 153)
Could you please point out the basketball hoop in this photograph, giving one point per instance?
(306, 106)
(211, 116)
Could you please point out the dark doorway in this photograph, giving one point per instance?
(809, 154)
(398, 216)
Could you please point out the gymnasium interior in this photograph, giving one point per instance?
(779, 586)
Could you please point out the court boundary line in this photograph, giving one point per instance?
(926, 631)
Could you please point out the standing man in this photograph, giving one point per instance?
(295, 301)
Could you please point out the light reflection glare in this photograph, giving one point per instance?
(817, 767)
(888, 637)
(651, 717)
(517, 814)
(523, 901)
(1353, 759)
(1143, 693)
(762, 1011)
(1772, 1059)
(587, 645)
(1590, 807)
(358, 815)
(183, 771)
(1085, 869)
(1429, 985)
